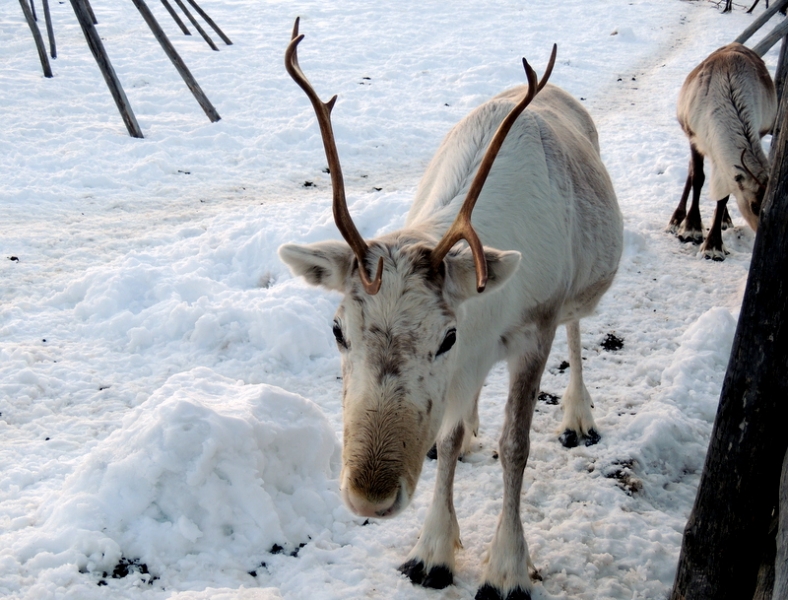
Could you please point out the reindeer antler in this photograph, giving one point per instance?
(341, 214)
(462, 228)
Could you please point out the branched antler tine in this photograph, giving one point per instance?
(323, 113)
(750, 173)
(462, 228)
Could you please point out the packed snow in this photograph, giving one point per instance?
(170, 409)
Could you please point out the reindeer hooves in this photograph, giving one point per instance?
(438, 577)
(488, 592)
(691, 237)
(570, 439)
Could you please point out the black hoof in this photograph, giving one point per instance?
(592, 437)
(689, 239)
(414, 570)
(438, 578)
(568, 438)
(518, 594)
(433, 453)
(488, 592)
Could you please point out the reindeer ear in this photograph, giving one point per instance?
(326, 263)
(461, 271)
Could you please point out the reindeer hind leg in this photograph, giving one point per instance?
(691, 229)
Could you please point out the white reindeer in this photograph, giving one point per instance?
(726, 105)
(418, 339)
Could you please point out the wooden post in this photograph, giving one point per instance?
(781, 562)
(42, 52)
(175, 17)
(92, 15)
(170, 51)
(210, 22)
(113, 83)
(728, 530)
(50, 31)
(759, 22)
(771, 38)
(779, 84)
(204, 35)
(33, 10)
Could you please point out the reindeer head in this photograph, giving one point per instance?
(396, 331)
(752, 187)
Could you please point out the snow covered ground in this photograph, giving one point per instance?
(169, 395)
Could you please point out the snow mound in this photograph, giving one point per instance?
(207, 473)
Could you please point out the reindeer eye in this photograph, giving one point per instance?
(738, 178)
(448, 342)
(339, 335)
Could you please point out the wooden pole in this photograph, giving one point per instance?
(180, 66)
(92, 15)
(42, 52)
(759, 22)
(771, 39)
(176, 18)
(100, 54)
(781, 562)
(210, 22)
(50, 31)
(728, 530)
(779, 84)
(33, 10)
(204, 35)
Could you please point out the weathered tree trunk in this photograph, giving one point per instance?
(781, 561)
(728, 529)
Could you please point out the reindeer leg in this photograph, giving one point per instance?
(508, 563)
(727, 222)
(681, 210)
(691, 229)
(578, 421)
(713, 247)
(431, 562)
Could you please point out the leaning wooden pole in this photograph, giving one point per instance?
(770, 39)
(197, 26)
(180, 66)
(780, 77)
(50, 31)
(760, 21)
(728, 529)
(42, 51)
(100, 54)
(210, 22)
(175, 17)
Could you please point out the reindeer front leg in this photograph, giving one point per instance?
(431, 562)
(713, 247)
(509, 569)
